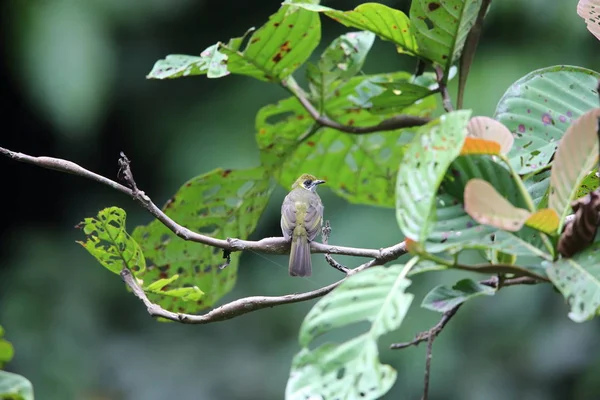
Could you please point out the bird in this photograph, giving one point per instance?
(301, 220)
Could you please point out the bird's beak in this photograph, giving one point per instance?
(318, 182)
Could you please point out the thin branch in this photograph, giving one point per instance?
(272, 245)
(238, 307)
(434, 331)
(326, 232)
(446, 100)
(469, 52)
(427, 368)
(390, 124)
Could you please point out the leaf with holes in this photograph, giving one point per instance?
(576, 155)
(387, 23)
(444, 298)
(6, 349)
(221, 203)
(489, 129)
(539, 108)
(441, 28)
(351, 370)
(455, 231)
(422, 169)
(360, 168)
(342, 59)
(273, 52)
(488, 207)
(589, 10)
(578, 279)
(545, 220)
(108, 241)
(15, 387)
(588, 185)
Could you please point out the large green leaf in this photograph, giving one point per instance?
(6, 349)
(441, 28)
(576, 155)
(455, 230)
(539, 108)
(273, 52)
(221, 203)
(578, 279)
(15, 387)
(108, 241)
(360, 168)
(422, 169)
(351, 370)
(387, 23)
(341, 60)
(443, 298)
(398, 96)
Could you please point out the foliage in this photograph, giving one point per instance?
(502, 186)
(12, 386)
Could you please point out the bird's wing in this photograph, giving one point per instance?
(288, 217)
(314, 219)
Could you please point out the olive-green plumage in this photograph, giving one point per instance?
(301, 220)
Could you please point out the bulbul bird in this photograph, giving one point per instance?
(301, 220)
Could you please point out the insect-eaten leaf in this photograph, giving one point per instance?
(352, 369)
(578, 279)
(486, 206)
(272, 53)
(221, 203)
(545, 220)
(444, 298)
(589, 10)
(108, 241)
(341, 60)
(576, 155)
(491, 130)
(387, 23)
(422, 169)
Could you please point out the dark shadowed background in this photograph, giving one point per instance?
(72, 86)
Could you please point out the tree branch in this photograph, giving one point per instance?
(447, 316)
(236, 307)
(390, 124)
(272, 245)
(326, 232)
(446, 100)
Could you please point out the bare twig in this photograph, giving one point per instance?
(272, 245)
(326, 232)
(390, 124)
(427, 367)
(469, 52)
(237, 307)
(434, 331)
(446, 100)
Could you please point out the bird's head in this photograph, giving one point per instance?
(308, 182)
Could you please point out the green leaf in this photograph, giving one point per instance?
(538, 187)
(578, 279)
(488, 207)
(273, 52)
(359, 168)
(422, 169)
(443, 298)
(387, 23)
(15, 387)
(185, 293)
(108, 241)
(589, 184)
(6, 349)
(576, 155)
(441, 28)
(539, 108)
(221, 203)
(351, 370)
(398, 96)
(342, 59)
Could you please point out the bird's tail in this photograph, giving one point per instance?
(300, 264)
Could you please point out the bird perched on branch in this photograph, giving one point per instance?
(301, 220)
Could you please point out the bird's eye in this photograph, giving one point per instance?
(307, 182)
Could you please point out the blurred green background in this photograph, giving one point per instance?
(73, 86)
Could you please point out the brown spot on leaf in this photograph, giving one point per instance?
(290, 26)
(433, 6)
(226, 173)
(351, 122)
(277, 57)
(276, 24)
(286, 47)
(262, 131)
(310, 143)
(300, 117)
(254, 40)
(394, 27)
